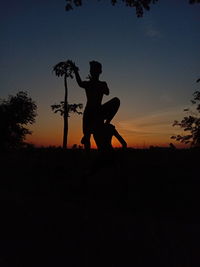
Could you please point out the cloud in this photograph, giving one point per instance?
(155, 124)
(153, 33)
(151, 30)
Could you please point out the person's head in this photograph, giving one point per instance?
(95, 69)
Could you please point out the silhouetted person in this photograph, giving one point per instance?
(95, 113)
(103, 137)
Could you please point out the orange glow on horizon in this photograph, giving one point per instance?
(140, 132)
(56, 141)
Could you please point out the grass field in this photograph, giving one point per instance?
(138, 207)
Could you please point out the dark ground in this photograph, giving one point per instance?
(140, 209)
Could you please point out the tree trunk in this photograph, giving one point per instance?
(65, 130)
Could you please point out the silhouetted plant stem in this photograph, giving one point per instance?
(65, 68)
(65, 130)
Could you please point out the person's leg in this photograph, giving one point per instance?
(86, 132)
(109, 109)
(86, 141)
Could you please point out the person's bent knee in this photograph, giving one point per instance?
(116, 100)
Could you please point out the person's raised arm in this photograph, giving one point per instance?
(78, 78)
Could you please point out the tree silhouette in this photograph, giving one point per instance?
(190, 123)
(71, 108)
(65, 69)
(15, 112)
(139, 5)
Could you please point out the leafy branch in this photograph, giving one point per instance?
(139, 5)
(64, 68)
(190, 123)
(71, 108)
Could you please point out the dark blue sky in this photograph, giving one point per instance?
(150, 63)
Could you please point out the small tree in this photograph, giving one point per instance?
(15, 112)
(190, 123)
(65, 69)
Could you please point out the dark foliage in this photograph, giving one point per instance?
(64, 68)
(194, 1)
(190, 123)
(16, 112)
(139, 5)
(71, 108)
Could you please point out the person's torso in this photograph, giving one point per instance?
(94, 92)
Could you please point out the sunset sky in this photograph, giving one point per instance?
(150, 63)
